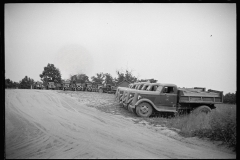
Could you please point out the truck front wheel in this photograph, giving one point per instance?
(201, 109)
(144, 109)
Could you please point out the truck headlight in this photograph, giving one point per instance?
(139, 97)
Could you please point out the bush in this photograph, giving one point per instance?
(230, 98)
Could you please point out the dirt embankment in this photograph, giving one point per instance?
(57, 124)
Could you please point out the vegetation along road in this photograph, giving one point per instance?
(68, 124)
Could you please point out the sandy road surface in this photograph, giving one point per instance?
(57, 124)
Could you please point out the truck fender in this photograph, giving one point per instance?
(145, 100)
(130, 100)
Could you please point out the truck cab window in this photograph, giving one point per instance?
(168, 90)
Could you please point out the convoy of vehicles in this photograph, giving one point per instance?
(146, 99)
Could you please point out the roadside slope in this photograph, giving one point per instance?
(46, 124)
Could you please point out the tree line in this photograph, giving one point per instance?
(51, 73)
(230, 98)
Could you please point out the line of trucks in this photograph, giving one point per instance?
(146, 99)
(102, 88)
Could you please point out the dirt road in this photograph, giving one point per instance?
(57, 124)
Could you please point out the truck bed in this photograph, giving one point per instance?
(196, 96)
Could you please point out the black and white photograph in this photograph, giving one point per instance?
(120, 80)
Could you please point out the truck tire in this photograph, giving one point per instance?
(144, 109)
(100, 90)
(201, 109)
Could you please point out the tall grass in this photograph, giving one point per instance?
(218, 125)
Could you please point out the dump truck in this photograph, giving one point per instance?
(170, 98)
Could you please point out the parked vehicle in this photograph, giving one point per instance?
(108, 88)
(73, 86)
(79, 87)
(120, 90)
(136, 86)
(117, 94)
(170, 98)
(38, 85)
(66, 86)
(89, 87)
(126, 100)
(51, 85)
(95, 87)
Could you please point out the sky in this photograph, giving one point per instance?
(187, 44)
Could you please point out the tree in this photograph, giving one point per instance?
(79, 78)
(229, 98)
(8, 83)
(98, 79)
(127, 75)
(50, 73)
(108, 79)
(26, 83)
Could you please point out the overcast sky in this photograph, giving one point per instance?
(190, 45)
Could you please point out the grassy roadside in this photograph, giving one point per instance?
(219, 125)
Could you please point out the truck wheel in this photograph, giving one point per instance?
(144, 109)
(100, 90)
(202, 109)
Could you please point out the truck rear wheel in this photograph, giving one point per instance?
(144, 109)
(202, 109)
